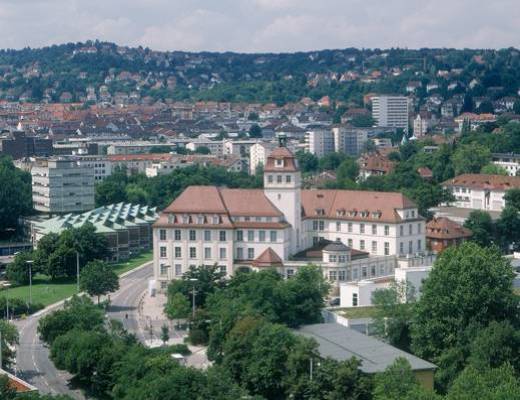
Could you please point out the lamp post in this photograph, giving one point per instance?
(30, 263)
(193, 297)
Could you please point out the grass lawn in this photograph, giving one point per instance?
(358, 312)
(45, 291)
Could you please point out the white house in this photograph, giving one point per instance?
(481, 191)
(285, 227)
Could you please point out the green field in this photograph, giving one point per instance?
(45, 291)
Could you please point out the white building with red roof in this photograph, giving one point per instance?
(284, 227)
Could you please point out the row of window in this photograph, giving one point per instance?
(222, 252)
(279, 178)
(320, 226)
(222, 235)
(410, 247)
(192, 235)
(178, 269)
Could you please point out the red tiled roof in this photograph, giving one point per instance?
(484, 181)
(268, 258)
(445, 228)
(281, 153)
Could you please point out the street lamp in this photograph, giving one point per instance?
(30, 263)
(193, 297)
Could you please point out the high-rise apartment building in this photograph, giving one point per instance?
(61, 185)
(391, 111)
(320, 142)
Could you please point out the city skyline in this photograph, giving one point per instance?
(261, 25)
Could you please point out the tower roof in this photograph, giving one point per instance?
(281, 159)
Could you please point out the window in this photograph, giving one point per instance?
(419, 245)
(387, 230)
(332, 275)
(164, 285)
(162, 251)
(410, 229)
(401, 248)
(364, 272)
(413, 213)
(261, 236)
(223, 269)
(349, 227)
(207, 236)
(354, 274)
(279, 178)
(314, 225)
(240, 253)
(361, 228)
(207, 253)
(410, 247)
(273, 236)
(222, 236)
(178, 269)
(338, 226)
(401, 230)
(290, 273)
(332, 258)
(270, 178)
(251, 236)
(164, 269)
(193, 235)
(193, 252)
(162, 234)
(362, 245)
(354, 299)
(315, 240)
(349, 243)
(374, 247)
(374, 229)
(341, 275)
(288, 178)
(419, 228)
(250, 253)
(321, 225)
(387, 249)
(342, 259)
(373, 270)
(178, 252)
(240, 236)
(177, 234)
(222, 253)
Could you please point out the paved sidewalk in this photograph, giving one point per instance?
(151, 318)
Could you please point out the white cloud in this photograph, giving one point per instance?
(262, 25)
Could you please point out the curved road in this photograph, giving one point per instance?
(32, 361)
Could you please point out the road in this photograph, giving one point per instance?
(32, 361)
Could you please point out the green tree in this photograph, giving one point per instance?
(398, 382)
(493, 169)
(97, 279)
(9, 341)
(512, 198)
(255, 131)
(450, 307)
(18, 270)
(393, 313)
(15, 196)
(508, 228)
(7, 392)
(480, 224)
(347, 171)
(203, 150)
(307, 162)
(160, 149)
(165, 334)
(490, 384)
(470, 158)
(78, 313)
(362, 121)
(177, 306)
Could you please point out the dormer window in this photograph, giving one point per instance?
(353, 213)
(185, 219)
(216, 220)
(278, 163)
(320, 211)
(200, 219)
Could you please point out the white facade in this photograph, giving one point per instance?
(62, 186)
(258, 155)
(101, 166)
(216, 147)
(510, 162)
(391, 111)
(477, 199)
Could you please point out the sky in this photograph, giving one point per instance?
(262, 25)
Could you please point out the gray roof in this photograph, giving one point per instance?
(342, 343)
(336, 246)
